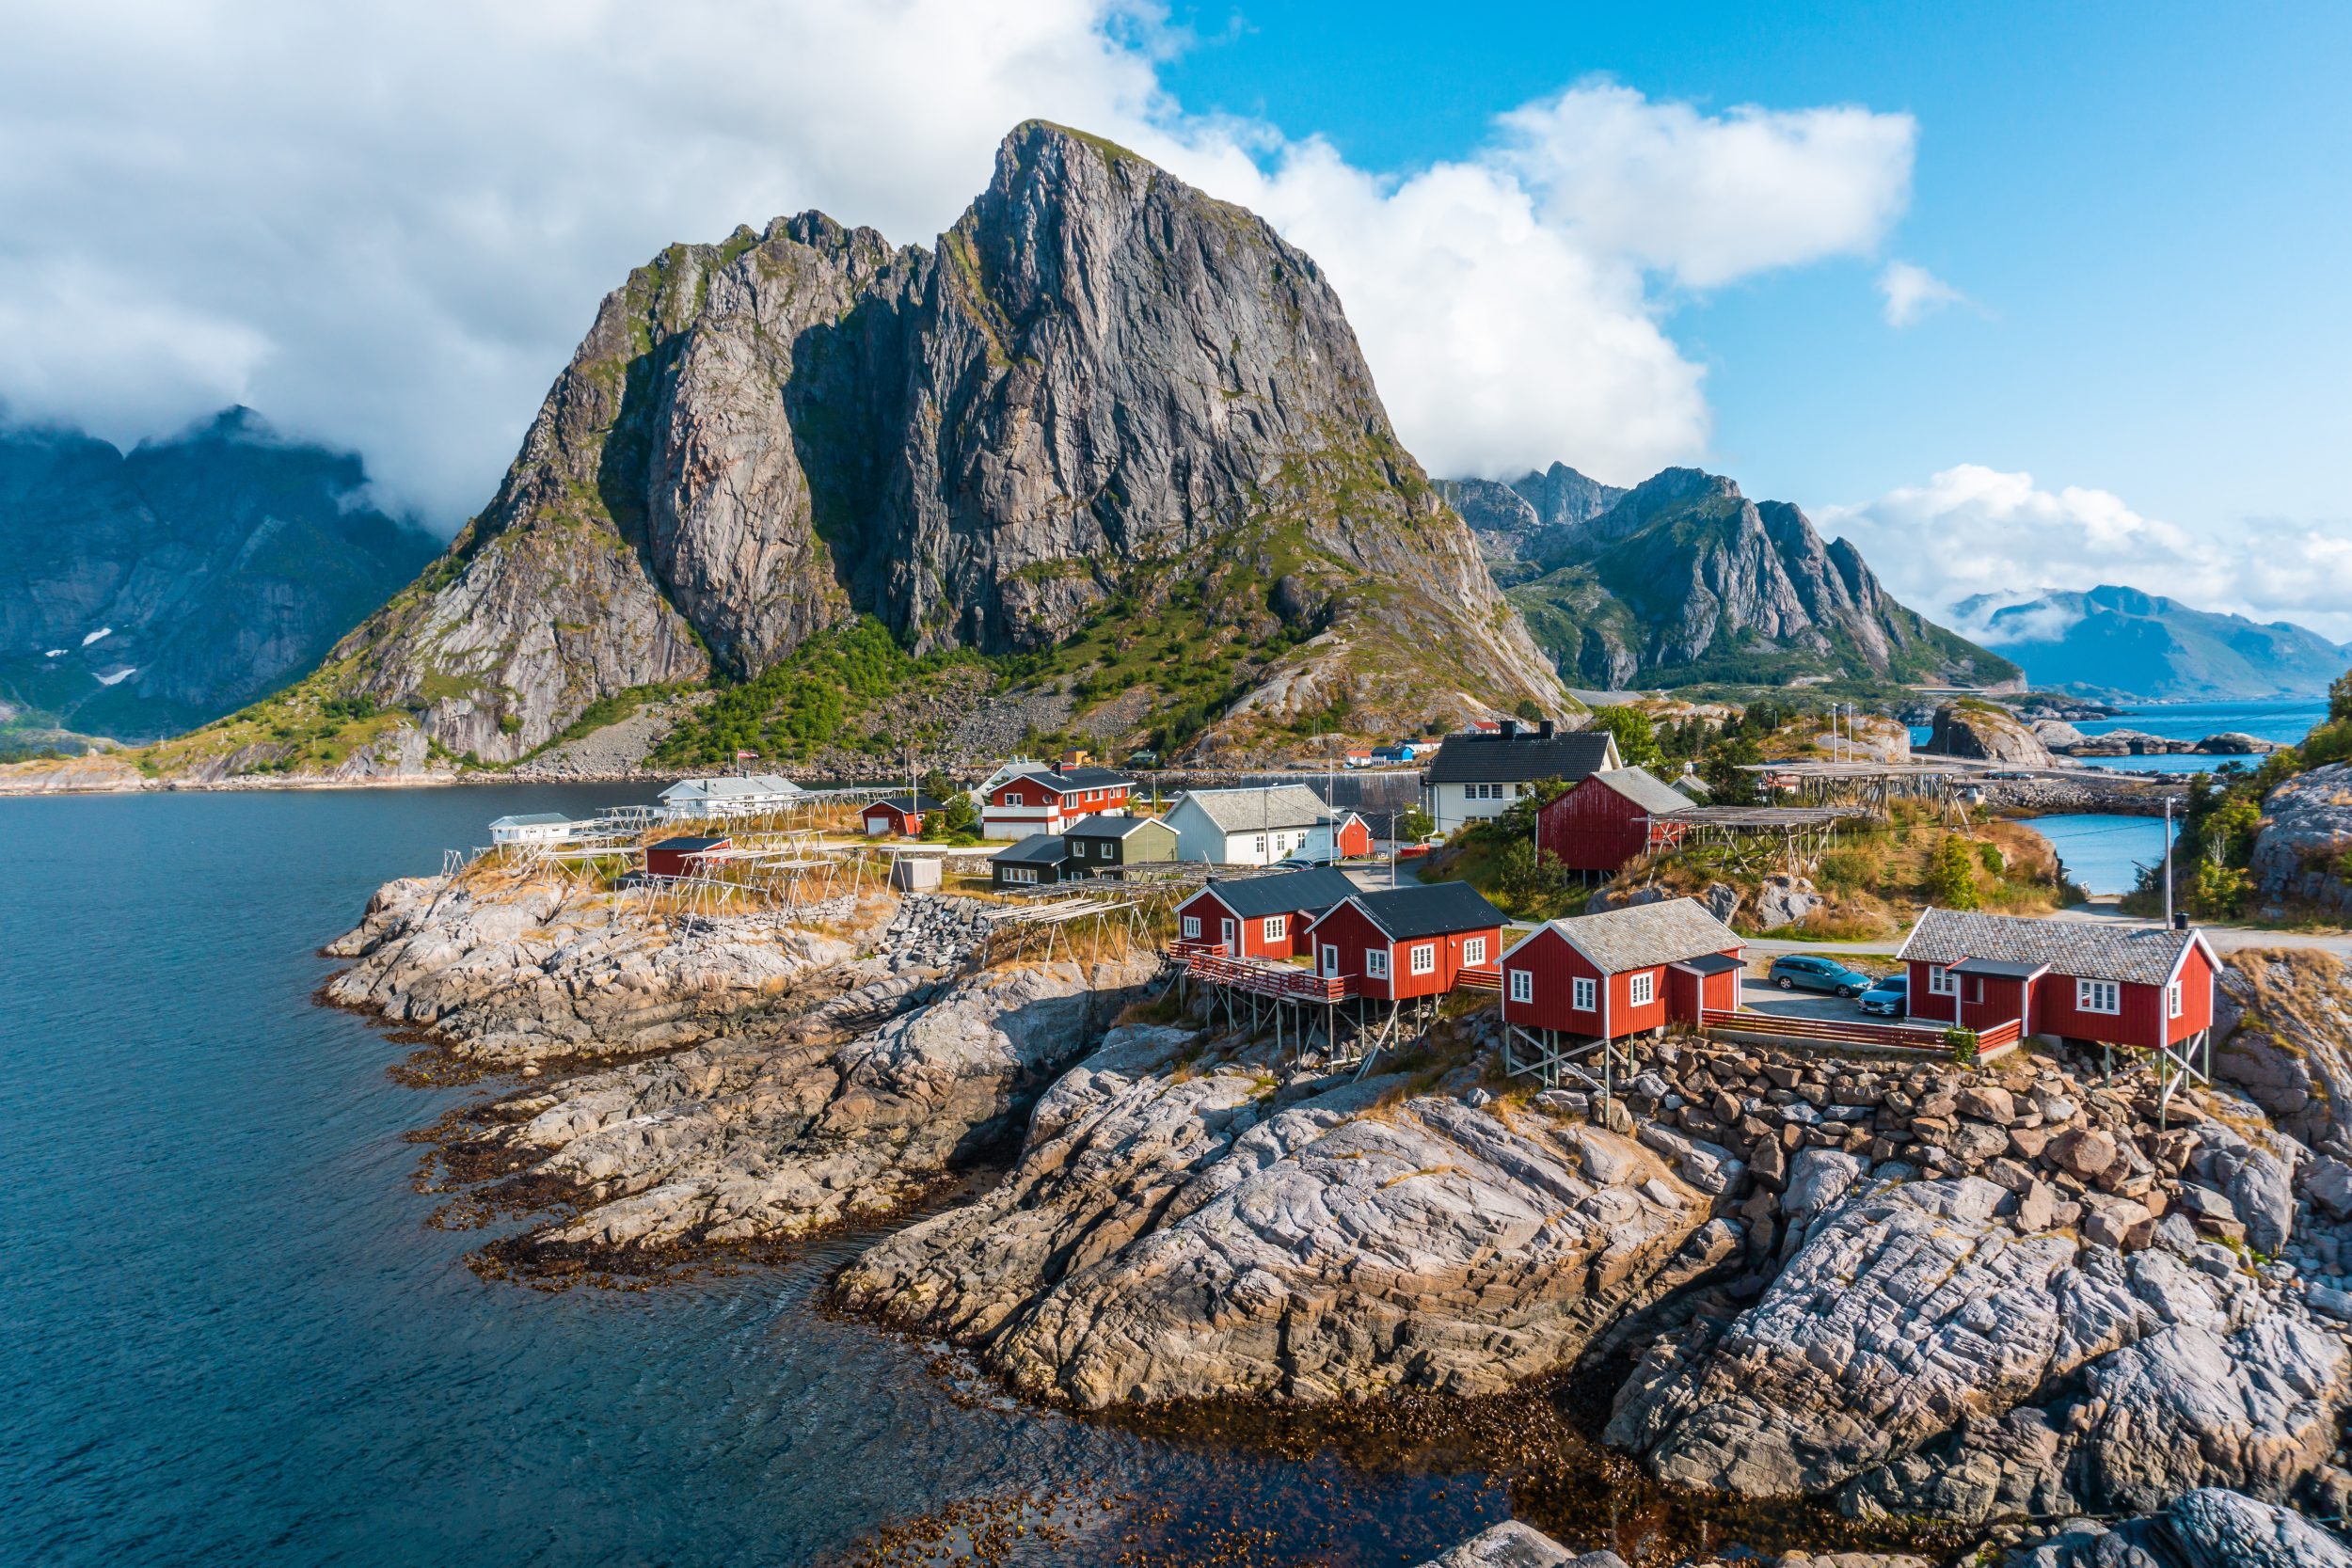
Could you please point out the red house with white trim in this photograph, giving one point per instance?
(1623, 972)
(2105, 981)
(676, 856)
(1403, 942)
(1048, 800)
(899, 816)
(1606, 819)
(1261, 917)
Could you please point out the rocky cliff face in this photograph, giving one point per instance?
(1101, 385)
(1683, 580)
(1508, 518)
(1987, 733)
(145, 593)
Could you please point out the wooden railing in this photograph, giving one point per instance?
(1925, 1039)
(1479, 979)
(1207, 961)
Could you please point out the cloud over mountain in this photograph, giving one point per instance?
(386, 224)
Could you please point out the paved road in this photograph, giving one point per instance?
(2225, 939)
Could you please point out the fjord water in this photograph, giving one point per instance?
(228, 1334)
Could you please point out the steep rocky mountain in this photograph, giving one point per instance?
(1682, 581)
(2115, 642)
(1508, 518)
(1101, 394)
(143, 593)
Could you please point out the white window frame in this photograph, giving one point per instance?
(1192, 928)
(1522, 984)
(1270, 928)
(1422, 959)
(1330, 961)
(2098, 996)
(1376, 963)
(1262, 844)
(2174, 1003)
(1941, 981)
(1584, 994)
(1641, 989)
(1229, 932)
(1473, 952)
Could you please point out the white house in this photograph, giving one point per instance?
(1246, 826)
(1476, 775)
(698, 800)
(544, 827)
(1048, 798)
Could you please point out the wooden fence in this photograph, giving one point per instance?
(1911, 1039)
(1290, 982)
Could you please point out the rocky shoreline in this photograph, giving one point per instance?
(1899, 1292)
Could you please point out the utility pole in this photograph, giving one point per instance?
(2168, 863)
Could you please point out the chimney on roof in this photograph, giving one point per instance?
(2180, 919)
(1509, 729)
(1058, 766)
(1543, 729)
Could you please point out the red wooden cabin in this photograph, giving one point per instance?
(1623, 972)
(1606, 819)
(1407, 942)
(899, 816)
(1048, 800)
(674, 857)
(2105, 981)
(1261, 917)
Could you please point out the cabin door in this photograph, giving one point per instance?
(1330, 961)
(1232, 935)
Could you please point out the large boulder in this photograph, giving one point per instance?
(2210, 1527)
(2284, 1030)
(1512, 1544)
(1974, 728)
(1783, 900)
(2306, 822)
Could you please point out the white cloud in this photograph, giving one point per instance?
(1913, 293)
(1974, 530)
(386, 224)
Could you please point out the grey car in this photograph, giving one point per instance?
(1802, 971)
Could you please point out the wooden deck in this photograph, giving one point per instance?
(1912, 1039)
(1204, 961)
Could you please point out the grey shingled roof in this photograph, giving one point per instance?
(1072, 780)
(1428, 910)
(1647, 935)
(1645, 789)
(534, 819)
(1036, 849)
(1314, 889)
(1243, 808)
(1108, 825)
(2086, 949)
(1519, 758)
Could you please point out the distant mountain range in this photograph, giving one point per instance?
(1682, 581)
(2115, 642)
(147, 592)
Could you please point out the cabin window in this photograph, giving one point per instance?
(1192, 928)
(1376, 963)
(2173, 1000)
(1642, 990)
(1474, 951)
(1522, 984)
(1585, 996)
(1262, 844)
(1272, 926)
(1424, 958)
(1940, 981)
(2098, 996)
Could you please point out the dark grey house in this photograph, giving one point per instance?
(1037, 860)
(1100, 845)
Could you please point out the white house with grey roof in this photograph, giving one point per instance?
(538, 827)
(733, 794)
(1476, 776)
(1259, 825)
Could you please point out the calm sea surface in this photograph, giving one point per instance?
(2285, 722)
(227, 1334)
(2103, 853)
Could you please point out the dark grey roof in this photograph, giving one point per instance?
(1518, 759)
(1251, 897)
(1428, 910)
(1644, 789)
(1710, 963)
(919, 802)
(1071, 779)
(688, 846)
(1646, 935)
(2087, 949)
(1041, 848)
(1104, 824)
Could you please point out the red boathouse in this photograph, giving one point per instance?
(899, 816)
(1623, 972)
(2109, 982)
(1409, 941)
(1606, 819)
(676, 857)
(1261, 917)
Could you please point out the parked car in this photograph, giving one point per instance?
(1889, 997)
(1801, 972)
(1302, 863)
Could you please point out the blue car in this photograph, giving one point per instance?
(1801, 972)
(1888, 998)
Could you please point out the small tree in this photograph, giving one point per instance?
(1728, 783)
(2340, 698)
(1414, 824)
(1952, 875)
(1637, 736)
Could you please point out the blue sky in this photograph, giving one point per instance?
(2152, 203)
(1617, 236)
